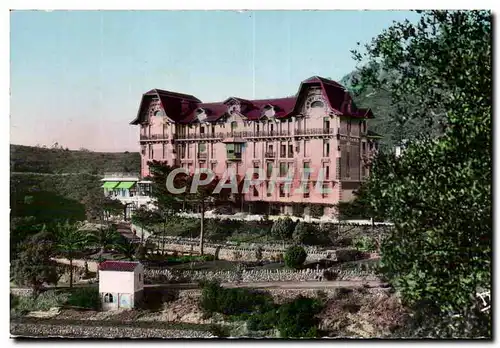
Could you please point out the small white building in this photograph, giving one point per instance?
(121, 284)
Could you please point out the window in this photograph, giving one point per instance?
(164, 148)
(165, 130)
(325, 190)
(271, 128)
(212, 166)
(108, 298)
(363, 148)
(306, 190)
(202, 147)
(283, 150)
(283, 168)
(306, 148)
(326, 125)
(326, 148)
(212, 150)
(188, 150)
(327, 172)
(202, 130)
(234, 125)
(290, 150)
(255, 192)
(254, 150)
(348, 126)
(297, 147)
(269, 169)
(213, 129)
(269, 189)
(282, 190)
(306, 170)
(317, 104)
(143, 150)
(257, 129)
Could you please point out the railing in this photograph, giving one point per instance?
(252, 134)
(202, 155)
(121, 175)
(234, 156)
(200, 136)
(270, 154)
(314, 131)
(153, 137)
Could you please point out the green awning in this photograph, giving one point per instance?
(125, 184)
(109, 185)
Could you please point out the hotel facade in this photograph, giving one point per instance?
(320, 129)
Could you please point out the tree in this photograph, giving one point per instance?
(283, 228)
(438, 193)
(169, 203)
(295, 256)
(127, 248)
(105, 238)
(70, 241)
(34, 266)
(303, 233)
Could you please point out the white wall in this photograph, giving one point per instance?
(116, 282)
(139, 284)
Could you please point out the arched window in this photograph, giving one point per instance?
(159, 113)
(317, 104)
(108, 298)
(234, 125)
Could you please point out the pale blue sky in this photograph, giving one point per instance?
(77, 76)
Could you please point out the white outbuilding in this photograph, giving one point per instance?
(121, 284)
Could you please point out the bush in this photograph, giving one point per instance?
(298, 318)
(316, 210)
(295, 257)
(215, 299)
(85, 298)
(43, 302)
(304, 233)
(283, 228)
(365, 243)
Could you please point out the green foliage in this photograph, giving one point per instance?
(85, 298)
(438, 193)
(56, 160)
(283, 228)
(43, 302)
(33, 267)
(127, 248)
(106, 238)
(295, 256)
(215, 299)
(304, 233)
(365, 243)
(316, 210)
(298, 319)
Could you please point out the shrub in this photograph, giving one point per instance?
(85, 298)
(304, 233)
(316, 210)
(215, 299)
(43, 302)
(283, 228)
(295, 256)
(263, 321)
(365, 243)
(298, 318)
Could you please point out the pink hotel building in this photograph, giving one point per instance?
(318, 128)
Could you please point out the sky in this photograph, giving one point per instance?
(77, 76)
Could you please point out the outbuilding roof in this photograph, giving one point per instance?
(118, 266)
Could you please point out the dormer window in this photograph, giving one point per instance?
(159, 113)
(317, 104)
(201, 115)
(234, 108)
(268, 111)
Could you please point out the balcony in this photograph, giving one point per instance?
(199, 136)
(234, 156)
(153, 137)
(270, 154)
(202, 155)
(315, 131)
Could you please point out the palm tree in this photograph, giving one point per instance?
(104, 238)
(127, 248)
(70, 241)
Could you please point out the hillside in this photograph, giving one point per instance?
(43, 160)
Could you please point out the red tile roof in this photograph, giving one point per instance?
(120, 266)
(335, 94)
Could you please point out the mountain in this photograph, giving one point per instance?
(58, 160)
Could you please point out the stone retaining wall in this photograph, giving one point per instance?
(44, 330)
(176, 276)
